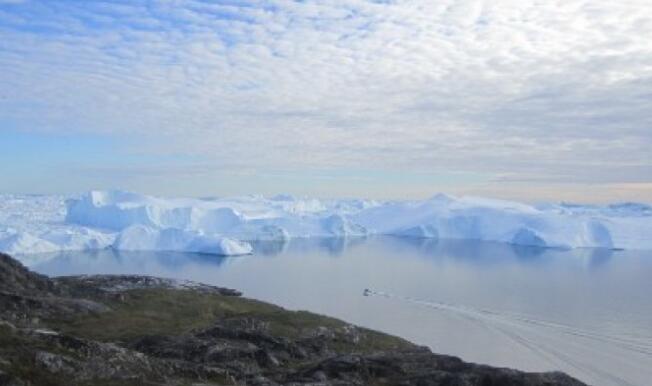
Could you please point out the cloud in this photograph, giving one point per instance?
(557, 91)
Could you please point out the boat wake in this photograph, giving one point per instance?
(570, 348)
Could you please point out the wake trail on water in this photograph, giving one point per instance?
(536, 336)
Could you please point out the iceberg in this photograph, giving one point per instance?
(143, 238)
(227, 226)
(15, 243)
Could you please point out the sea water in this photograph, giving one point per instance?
(586, 312)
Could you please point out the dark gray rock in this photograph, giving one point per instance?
(15, 278)
(118, 284)
(240, 348)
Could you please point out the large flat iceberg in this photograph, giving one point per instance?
(144, 238)
(224, 226)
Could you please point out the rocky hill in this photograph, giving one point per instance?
(136, 330)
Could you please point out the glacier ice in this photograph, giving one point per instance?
(225, 226)
(144, 238)
(14, 243)
(527, 236)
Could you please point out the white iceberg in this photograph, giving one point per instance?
(123, 220)
(502, 221)
(143, 238)
(16, 243)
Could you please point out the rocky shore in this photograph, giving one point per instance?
(136, 330)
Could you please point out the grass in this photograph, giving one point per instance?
(158, 312)
(16, 352)
(176, 312)
(17, 358)
(172, 312)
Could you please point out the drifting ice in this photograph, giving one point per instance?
(129, 221)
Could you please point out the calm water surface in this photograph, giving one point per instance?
(586, 312)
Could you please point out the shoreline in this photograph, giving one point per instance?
(130, 328)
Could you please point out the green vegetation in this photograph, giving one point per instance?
(16, 357)
(177, 337)
(175, 312)
(158, 312)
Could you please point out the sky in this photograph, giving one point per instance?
(534, 100)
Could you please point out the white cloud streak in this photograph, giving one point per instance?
(518, 89)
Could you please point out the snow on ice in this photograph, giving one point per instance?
(224, 226)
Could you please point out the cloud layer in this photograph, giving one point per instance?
(520, 90)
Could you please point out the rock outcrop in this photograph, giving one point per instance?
(135, 330)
